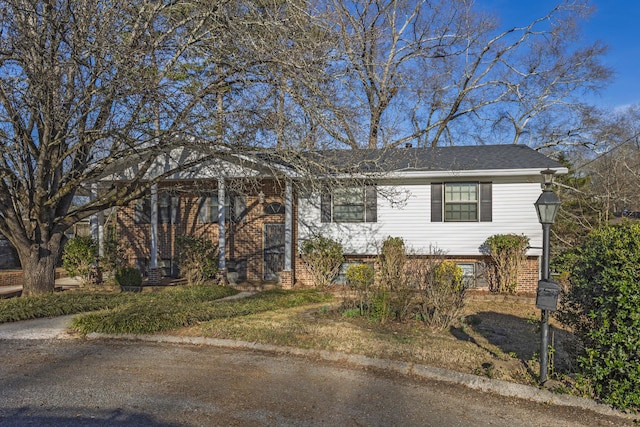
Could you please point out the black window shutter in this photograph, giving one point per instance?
(486, 203)
(142, 211)
(371, 204)
(239, 208)
(436, 202)
(325, 207)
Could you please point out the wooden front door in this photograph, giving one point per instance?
(273, 250)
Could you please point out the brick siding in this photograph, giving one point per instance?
(527, 276)
(244, 240)
(14, 277)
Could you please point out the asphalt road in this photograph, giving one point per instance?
(72, 382)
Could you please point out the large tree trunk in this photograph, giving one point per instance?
(39, 267)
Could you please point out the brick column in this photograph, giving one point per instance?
(286, 279)
(154, 276)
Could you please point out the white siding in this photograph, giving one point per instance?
(513, 212)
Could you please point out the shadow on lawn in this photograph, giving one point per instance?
(516, 336)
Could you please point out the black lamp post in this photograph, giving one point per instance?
(547, 207)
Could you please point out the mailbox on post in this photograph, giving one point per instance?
(548, 293)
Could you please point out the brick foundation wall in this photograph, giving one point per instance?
(14, 277)
(527, 277)
(11, 278)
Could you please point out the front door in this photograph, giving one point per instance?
(273, 250)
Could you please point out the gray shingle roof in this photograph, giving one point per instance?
(459, 158)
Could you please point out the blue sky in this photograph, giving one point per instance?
(615, 22)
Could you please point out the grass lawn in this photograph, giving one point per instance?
(497, 340)
(494, 339)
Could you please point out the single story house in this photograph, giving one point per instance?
(258, 209)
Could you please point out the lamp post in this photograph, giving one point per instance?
(547, 296)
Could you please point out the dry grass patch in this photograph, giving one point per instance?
(498, 340)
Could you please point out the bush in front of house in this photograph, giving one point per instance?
(197, 259)
(322, 256)
(392, 297)
(360, 278)
(425, 288)
(602, 306)
(443, 295)
(79, 257)
(128, 277)
(115, 256)
(508, 253)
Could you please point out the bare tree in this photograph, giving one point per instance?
(614, 166)
(603, 159)
(434, 72)
(88, 87)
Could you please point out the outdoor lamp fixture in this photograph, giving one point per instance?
(261, 197)
(548, 203)
(547, 207)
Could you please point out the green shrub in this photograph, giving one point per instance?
(80, 256)
(322, 257)
(450, 275)
(58, 304)
(602, 306)
(128, 276)
(391, 260)
(443, 297)
(393, 283)
(360, 278)
(508, 253)
(197, 259)
(114, 255)
(174, 309)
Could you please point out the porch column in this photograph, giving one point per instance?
(221, 230)
(95, 230)
(93, 220)
(153, 262)
(101, 233)
(287, 274)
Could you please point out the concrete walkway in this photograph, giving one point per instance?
(38, 329)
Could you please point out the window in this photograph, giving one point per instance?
(167, 208)
(468, 273)
(274, 208)
(208, 209)
(235, 209)
(142, 211)
(461, 202)
(350, 204)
